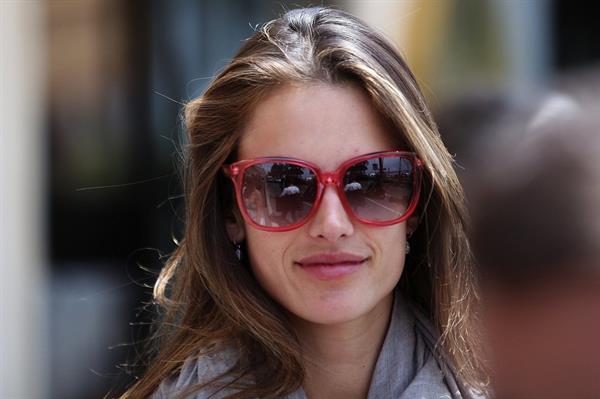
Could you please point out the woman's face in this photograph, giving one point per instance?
(326, 125)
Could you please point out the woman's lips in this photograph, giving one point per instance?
(330, 266)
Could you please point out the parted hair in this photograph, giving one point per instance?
(210, 300)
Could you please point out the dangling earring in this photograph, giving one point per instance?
(238, 251)
(410, 233)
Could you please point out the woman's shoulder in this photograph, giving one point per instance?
(197, 370)
(411, 362)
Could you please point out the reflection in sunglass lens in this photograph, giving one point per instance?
(278, 194)
(379, 189)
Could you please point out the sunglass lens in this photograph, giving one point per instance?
(379, 189)
(278, 194)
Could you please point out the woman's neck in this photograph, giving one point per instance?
(340, 359)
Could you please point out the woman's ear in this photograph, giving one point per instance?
(234, 224)
(411, 224)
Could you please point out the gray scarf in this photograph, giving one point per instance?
(408, 367)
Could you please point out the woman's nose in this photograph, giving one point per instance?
(331, 220)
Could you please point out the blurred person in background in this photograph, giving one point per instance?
(536, 236)
(336, 302)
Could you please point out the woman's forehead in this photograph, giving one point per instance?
(321, 123)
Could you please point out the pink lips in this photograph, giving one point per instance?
(331, 265)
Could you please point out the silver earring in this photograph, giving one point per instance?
(407, 247)
(238, 251)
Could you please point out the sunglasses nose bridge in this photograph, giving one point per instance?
(329, 178)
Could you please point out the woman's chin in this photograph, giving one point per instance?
(337, 310)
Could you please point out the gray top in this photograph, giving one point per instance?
(408, 366)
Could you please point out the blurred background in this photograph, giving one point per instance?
(91, 93)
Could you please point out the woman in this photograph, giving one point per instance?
(339, 297)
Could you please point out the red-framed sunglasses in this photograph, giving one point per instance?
(280, 194)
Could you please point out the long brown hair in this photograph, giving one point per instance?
(211, 301)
